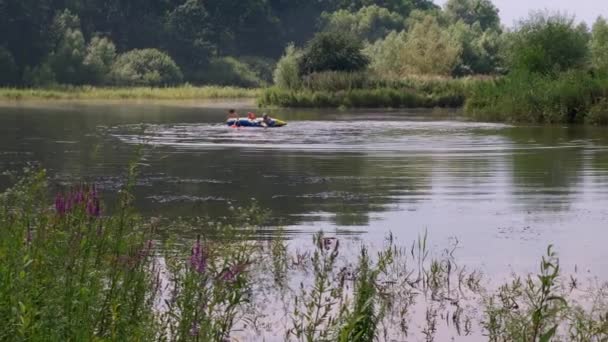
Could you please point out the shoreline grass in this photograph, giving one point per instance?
(127, 93)
(73, 272)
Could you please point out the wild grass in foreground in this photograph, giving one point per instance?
(95, 93)
(70, 271)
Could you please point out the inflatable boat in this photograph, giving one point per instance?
(244, 122)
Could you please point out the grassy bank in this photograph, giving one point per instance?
(352, 90)
(569, 97)
(70, 271)
(94, 93)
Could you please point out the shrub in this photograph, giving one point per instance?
(332, 51)
(40, 76)
(230, 71)
(262, 67)
(430, 50)
(531, 97)
(547, 43)
(101, 54)
(147, 67)
(598, 114)
(8, 68)
(286, 74)
(385, 55)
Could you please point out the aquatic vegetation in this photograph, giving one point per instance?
(569, 97)
(76, 269)
(110, 93)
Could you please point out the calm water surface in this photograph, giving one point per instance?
(504, 192)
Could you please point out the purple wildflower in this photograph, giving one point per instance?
(60, 206)
(198, 260)
(93, 207)
(229, 274)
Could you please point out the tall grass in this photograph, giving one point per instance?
(95, 93)
(569, 97)
(72, 271)
(363, 89)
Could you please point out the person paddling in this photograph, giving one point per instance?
(232, 115)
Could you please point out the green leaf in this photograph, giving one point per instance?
(546, 337)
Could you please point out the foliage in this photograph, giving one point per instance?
(75, 270)
(358, 98)
(261, 66)
(286, 74)
(147, 67)
(386, 55)
(332, 51)
(230, 71)
(528, 97)
(8, 68)
(369, 23)
(39, 76)
(546, 43)
(599, 45)
(101, 54)
(190, 35)
(471, 12)
(429, 49)
(480, 49)
(67, 56)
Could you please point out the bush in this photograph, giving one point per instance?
(535, 98)
(385, 55)
(147, 67)
(101, 54)
(8, 68)
(230, 71)
(548, 43)
(598, 115)
(429, 49)
(262, 67)
(40, 76)
(332, 51)
(286, 74)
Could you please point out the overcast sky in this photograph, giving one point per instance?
(512, 10)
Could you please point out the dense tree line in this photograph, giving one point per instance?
(239, 42)
(34, 45)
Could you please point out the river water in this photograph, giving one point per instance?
(504, 192)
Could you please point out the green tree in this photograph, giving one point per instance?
(480, 49)
(546, 43)
(69, 49)
(430, 50)
(230, 71)
(147, 67)
(286, 74)
(385, 55)
(599, 45)
(333, 51)
(8, 68)
(369, 23)
(190, 36)
(98, 61)
(474, 11)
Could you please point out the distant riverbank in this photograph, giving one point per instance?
(134, 93)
